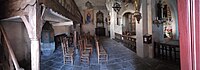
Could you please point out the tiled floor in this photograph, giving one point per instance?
(120, 58)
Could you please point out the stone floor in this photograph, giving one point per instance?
(120, 58)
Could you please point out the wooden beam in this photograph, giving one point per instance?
(28, 25)
(56, 6)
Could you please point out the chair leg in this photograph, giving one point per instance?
(88, 60)
(107, 58)
(64, 60)
(98, 59)
(72, 61)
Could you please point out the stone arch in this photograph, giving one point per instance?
(128, 24)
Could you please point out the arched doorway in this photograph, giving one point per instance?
(129, 25)
(47, 39)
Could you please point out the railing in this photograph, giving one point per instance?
(118, 37)
(167, 51)
(11, 53)
(128, 41)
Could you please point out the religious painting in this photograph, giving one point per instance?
(88, 16)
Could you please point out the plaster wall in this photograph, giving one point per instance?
(62, 29)
(158, 33)
(18, 38)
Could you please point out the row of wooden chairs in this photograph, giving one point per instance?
(68, 52)
(85, 47)
(101, 52)
(84, 54)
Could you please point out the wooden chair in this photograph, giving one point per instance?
(68, 52)
(101, 53)
(84, 54)
(88, 46)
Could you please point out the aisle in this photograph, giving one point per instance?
(120, 58)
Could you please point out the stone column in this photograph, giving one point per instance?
(112, 24)
(33, 25)
(35, 54)
(150, 18)
(141, 30)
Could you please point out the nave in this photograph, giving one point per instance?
(120, 58)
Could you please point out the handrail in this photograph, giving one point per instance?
(10, 49)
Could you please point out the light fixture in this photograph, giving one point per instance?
(116, 8)
(137, 14)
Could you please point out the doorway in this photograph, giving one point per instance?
(129, 24)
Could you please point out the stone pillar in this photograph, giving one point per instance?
(33, 25)
(112, 24)
(141, 30)
(35, 54)
(150, 18)
(151, 10)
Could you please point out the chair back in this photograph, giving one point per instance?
(80, 45)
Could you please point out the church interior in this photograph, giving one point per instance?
(98, 35)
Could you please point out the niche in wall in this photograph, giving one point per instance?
(100, 30)
(129, 26)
